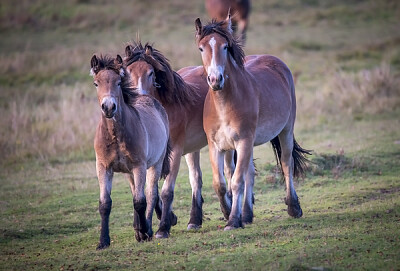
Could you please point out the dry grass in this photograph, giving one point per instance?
(49, 128)
(369, 91)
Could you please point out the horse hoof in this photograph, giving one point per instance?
(229, 228)
(141, 237)
(162, 234)
(295, 211)
(102, 246)
(192, 226)
(174, 219)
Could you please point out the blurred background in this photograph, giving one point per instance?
(345, 57)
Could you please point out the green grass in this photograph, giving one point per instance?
(350, 196)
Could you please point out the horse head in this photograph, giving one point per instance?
(107, 76)
(218, 47)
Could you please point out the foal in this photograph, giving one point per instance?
(131, 137)
(248, 104)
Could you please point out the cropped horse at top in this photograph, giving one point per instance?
(240, 10)
(250, 101)
(132, 137)
(182, 94)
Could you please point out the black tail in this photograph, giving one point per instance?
(167, 161)
(298, 153)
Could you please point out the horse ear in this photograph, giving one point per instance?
(228, 22)
(119, 60)
(94, 63)
(199, 27)
(149, 50)
(128, 51)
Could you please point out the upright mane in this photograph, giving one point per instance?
(234, 47)
(172, 88)
(108, 63)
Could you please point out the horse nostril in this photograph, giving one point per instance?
(103, 107)
(114, 107)
(220, 78)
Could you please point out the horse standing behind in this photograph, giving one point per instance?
(131, 137)
(218, 9)
(182, 94)
(250, 102)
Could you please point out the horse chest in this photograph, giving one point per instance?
(224, 137)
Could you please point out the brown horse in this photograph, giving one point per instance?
(218, 9)
(250, 102)
(131, 137)
(182, 94)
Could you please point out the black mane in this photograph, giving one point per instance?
(173, 89)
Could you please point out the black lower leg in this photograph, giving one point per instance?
(104, 210)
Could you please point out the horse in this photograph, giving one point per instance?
(182, 94)
(250, 101)
(218, 9)
(132, 137)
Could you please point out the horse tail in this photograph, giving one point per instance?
(300, 159)
(167, 161)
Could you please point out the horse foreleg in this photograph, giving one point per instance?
(152, 197)
(105, 182)
(247, 216)
(287, 143)
(137, 183)
(196, 182)
(244, 153)
(219, 184)
(229, 169)
(168, 218)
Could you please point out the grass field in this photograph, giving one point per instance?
(345, 56)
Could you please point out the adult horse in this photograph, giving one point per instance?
(131, 137)
(249, 103)
(218, 9)
(182, 94)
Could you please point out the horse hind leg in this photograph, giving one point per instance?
(196, 182)
(286, 141)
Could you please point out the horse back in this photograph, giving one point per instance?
(277, 99)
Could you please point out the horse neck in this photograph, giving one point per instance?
(232, 92)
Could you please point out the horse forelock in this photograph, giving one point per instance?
(108, 63)
(172, 88)
(234, 47)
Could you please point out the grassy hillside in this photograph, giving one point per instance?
(345, 56)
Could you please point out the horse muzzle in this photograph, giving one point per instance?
(215, 82)
(109, 107)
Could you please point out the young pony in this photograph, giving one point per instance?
(131, 137)
(250, 102)
(182, 94)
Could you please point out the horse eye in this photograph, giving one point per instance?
(151, 73)
(119, 83)
(201, 49)
(96, 85)
(225, 47)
